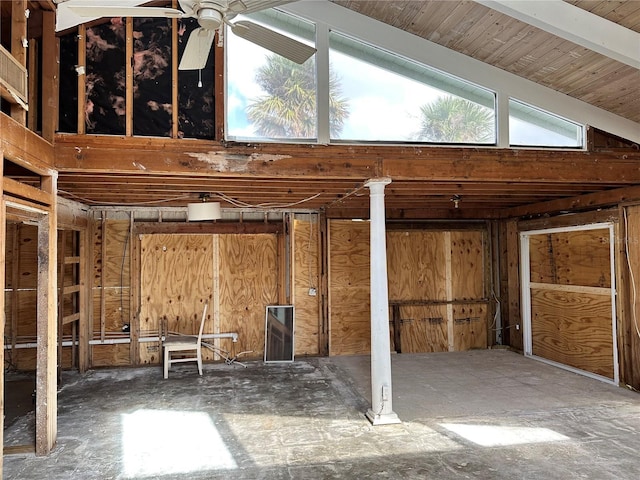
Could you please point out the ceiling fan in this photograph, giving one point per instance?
(210, 14)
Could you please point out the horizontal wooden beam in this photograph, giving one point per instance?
(27, 192)
(582, 202)
(24, 147)
(84, 153)
(143, 228)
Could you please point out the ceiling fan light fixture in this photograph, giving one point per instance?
(209, 18)
(202, 211)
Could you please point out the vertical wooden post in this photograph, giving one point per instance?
(32, 85)
(129, 77)
(85, 323)
(175, 106)
(103, 259)
(323, 269)
(449, 291)
(50, 76)
(3, 225)
(513, 260)
(46, 387)
(134, 294)
(18, 50)
(61, 236)
(82, 79)
(15, 280)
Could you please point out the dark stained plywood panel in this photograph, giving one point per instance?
(470, 326)
(573, 328)
(467, 265)
(579, 257)
(423, 328)
(349, 288)
(248, 282)
(416, 265)
(305, 276)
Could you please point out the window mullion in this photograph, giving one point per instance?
(322, 82)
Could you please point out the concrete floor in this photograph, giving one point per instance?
(482, 414)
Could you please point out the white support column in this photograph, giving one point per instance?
(381, 411)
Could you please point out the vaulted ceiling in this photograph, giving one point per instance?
(490, 182)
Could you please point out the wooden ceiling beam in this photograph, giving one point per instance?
(582, 202)
(346, 162)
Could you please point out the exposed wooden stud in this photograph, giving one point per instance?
(15, 279)
(175, 105)
(32, 115)
(3, 246)
(18, 50)
(513, 323)
(50, 76)
(218, 88)
(323, 290)
(61, 239)
(103, 262)
(86, 304)
(134, 291)
(449, 290)
(82, 79)
(129, 77)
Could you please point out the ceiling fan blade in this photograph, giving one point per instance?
(250, 6)
(71, 13)
(287, 47)
(124, 11)
(196, 53)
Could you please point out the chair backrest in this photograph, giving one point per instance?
(204, 317)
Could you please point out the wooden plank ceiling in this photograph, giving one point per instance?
(426, 181)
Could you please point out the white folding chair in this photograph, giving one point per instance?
(184, 343)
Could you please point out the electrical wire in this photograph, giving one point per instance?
(150, 202)
(241, 204)
(634, 292)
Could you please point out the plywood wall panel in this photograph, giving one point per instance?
(571, 258)
(468, 265)
(116, 264)
(573, 329)
(349, 288)
(305, 277)
(176, 280)
(27, 306)
(110, 355)
(116, 310)
(470, 326)
(416, 265)
(424, 328)
(247, 284)
(27, 256)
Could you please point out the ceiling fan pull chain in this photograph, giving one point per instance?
(199, 78)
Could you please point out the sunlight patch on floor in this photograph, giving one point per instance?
(501, 436)
(162, 442)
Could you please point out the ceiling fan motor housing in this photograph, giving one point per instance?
(209, 18)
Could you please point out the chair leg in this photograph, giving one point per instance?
(199, 356)
(166, 363)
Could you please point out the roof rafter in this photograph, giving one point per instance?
(576, 25)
